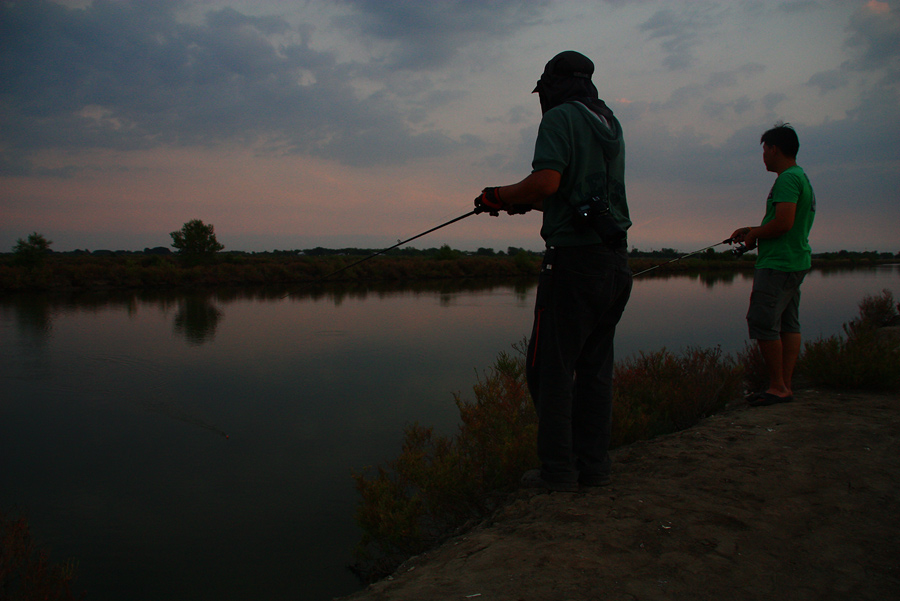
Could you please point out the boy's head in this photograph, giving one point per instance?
(784, 138)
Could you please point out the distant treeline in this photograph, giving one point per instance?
(159, 267)
(446, 252)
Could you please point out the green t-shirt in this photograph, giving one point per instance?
(791, 250)
(590, 156)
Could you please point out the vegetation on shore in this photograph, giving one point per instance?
(439, 485)
(25, 571)
(34, 268)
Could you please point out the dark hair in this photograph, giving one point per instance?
(784, 137)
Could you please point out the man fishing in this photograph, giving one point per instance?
(784, 260)
(578, 181)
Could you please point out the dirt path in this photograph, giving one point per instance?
(790, 502)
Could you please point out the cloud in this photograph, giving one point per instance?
(875, 31)
(828, 81)
(88, 87)
(798, 6)
(129, 75)
(427, 35)
(680, 32)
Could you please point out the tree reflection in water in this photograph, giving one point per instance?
(197, 318)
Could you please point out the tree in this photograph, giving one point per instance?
(196, 240)
(33, 250)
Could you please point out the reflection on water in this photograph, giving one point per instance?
(197, 319)
(199, 446)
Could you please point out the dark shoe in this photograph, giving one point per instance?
(765, 399)
(591, 480)
(533, 479)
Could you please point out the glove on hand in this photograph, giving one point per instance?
(518, 209)
(489, 202)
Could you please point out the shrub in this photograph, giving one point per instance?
(25, 571)
(756, 375)
(861, 359)
(438, 483)
(657, 393)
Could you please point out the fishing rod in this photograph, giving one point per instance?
(737, 251)
(400, 243)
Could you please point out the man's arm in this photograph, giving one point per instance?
(778, 226)
(532, 190)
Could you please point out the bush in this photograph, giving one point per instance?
(756, 374)
(862, 358)
(25, 571)
(657, 393)
(438, 483)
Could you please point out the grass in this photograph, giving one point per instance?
(661, 392)
(440, 485)
(25, 572)
(864, 357)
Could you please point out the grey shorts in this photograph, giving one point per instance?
(775, 304)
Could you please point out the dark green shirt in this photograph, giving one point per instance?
(590, 157)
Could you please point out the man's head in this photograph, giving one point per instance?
(566, 76)
(780, 145)
(569, 64)
(783, 137)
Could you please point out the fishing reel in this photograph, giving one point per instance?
(738, 250)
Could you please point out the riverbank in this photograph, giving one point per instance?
(792, 501)
(66, 272)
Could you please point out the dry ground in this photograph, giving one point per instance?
(790, 502)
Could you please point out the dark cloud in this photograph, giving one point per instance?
(431, 34)
(873, 34)
(717, 80)
(680, 32)
(874, 31)
(128, 74)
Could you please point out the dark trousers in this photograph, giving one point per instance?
(581, 295)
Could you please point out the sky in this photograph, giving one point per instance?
(360, 123)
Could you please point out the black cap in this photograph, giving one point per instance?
(569, 64)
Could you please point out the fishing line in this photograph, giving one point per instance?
(739, 250)
(399, 243)
(174, 411)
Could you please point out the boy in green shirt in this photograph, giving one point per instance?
(784, 259)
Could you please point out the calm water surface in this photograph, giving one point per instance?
(200, 447)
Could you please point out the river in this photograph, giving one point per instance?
(193, 447)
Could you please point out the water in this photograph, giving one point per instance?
(200, 447)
